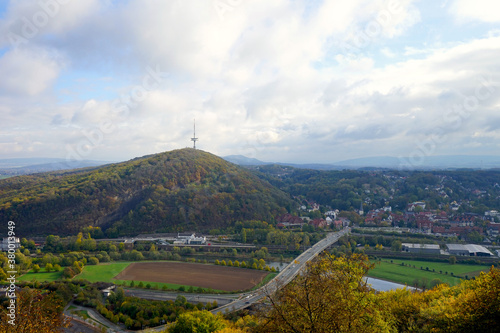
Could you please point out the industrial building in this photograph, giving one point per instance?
(190, 239)
(421, 248)
(468, 250)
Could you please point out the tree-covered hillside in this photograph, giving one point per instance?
(180, 190)
(474, 190)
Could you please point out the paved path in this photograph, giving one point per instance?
(96, 316)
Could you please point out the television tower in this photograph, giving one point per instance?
(194, 138)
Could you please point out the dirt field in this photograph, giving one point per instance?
(196, 275)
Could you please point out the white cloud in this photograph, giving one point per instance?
(481, 10)
(266, 80)
(28, 22)
(28, 72)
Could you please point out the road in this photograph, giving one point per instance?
(190, 297)
(285, 276)
(245, 300)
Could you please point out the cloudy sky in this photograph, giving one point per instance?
(280, 80)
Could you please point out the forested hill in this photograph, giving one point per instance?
(174, 191)
(474, 191)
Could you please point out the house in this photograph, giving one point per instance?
(491, 214)
(337, 224)
(289, 220)
(318, 223)
(332, 214)
(411, 207)
(345, 221)
(493, 229)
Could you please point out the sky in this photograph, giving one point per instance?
(283, 80)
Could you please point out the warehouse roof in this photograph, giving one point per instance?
(471, 248)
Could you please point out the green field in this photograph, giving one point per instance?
(266, 279)
(41, 276)
(102, 272)
(408, 275)
(105, 272)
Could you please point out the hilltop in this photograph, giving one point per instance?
(174, 191)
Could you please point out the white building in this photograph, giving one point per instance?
(492, 213)
(411, 207)
(468, 250)
(421, 248)
(332, 214)
(190, 239)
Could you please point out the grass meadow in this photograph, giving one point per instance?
(104, 272)
(420, 273)
(41, 276)
(423, 272)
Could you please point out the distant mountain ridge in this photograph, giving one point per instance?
(184, 189)
(24, 166)
(389, 162)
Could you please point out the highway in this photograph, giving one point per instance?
(284, 277)
(247, 299)
(171, 296)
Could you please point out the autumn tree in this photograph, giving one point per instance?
(331, 295)
(198, 321)
(472, 306)
(35, 312)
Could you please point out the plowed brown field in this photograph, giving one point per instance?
(196, 275)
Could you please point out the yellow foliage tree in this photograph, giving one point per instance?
(35, 312)
(330, 296)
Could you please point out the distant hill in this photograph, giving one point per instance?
(179, 190)
(25, 166)
(247, 161)
(427, 162)
(388, 162)
(243, 160)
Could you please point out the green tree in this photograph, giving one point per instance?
(36, 268)
(396, 246)
(48, 267)
(198, 322)
(243, 235)
(93, 261)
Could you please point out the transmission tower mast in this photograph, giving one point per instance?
(194, 138)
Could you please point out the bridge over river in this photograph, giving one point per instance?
(285, 276)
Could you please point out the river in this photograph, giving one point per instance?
(382, 285)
